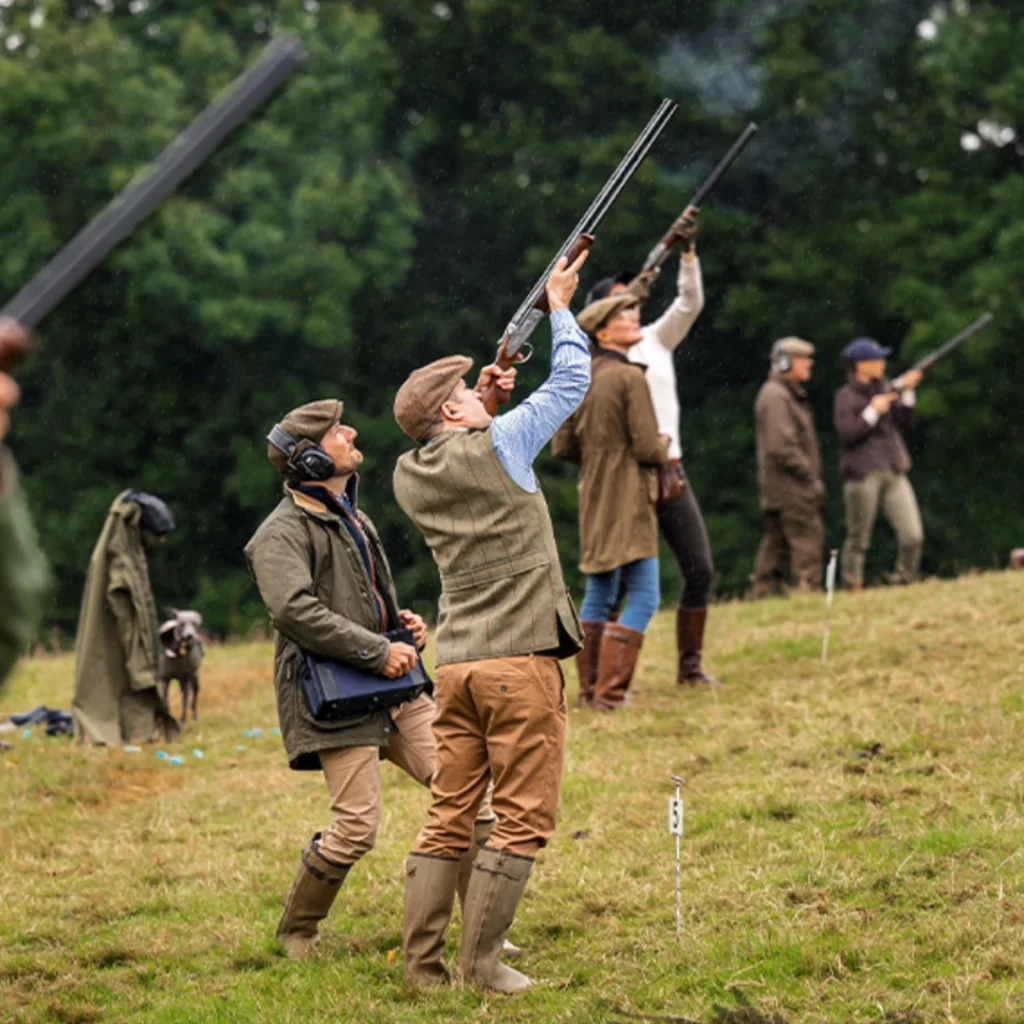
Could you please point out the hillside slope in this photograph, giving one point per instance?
(852, 849)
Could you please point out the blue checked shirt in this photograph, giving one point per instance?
(520, 434)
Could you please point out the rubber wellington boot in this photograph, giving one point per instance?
(429, 896)
(481, 830)
(495, 889)
(620, 649)
(309, 901)
(586, 663)
(690, 640)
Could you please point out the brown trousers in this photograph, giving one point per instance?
(354, 780)
(793, 542)
(502, 719)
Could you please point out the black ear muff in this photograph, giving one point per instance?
(305, 459)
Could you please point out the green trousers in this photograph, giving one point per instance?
(895, 495)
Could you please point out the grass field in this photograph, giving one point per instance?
(853, 846)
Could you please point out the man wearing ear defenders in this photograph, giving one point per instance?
(323, 575)
(505, 618)
(788, 474)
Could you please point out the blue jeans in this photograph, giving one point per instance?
(642, 594)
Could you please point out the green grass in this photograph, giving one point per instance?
(825, 877)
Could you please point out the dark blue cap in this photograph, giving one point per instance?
(861, 350)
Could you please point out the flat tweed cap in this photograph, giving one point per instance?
(597, 314)
(792, 347)
(419, 400)
(310, 422)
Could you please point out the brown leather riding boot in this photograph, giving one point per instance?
(620, 649)
(690, 640)
(586, 662)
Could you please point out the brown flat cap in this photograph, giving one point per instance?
(792, 347)
(310, 422)
(597, 314)
(419, 400)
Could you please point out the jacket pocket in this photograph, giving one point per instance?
(492, 572)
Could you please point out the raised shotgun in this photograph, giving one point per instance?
(925, 364)
(661, 251)
(110, 227)
(532, 309)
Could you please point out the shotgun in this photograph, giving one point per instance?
(532, 309)
(925, 364)
(657, 256)
(122, 215)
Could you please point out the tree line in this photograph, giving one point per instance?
(394, 203)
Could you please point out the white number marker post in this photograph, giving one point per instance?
(830, 589)
(675, 828)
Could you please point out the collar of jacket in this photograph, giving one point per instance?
(317, 508)
(870, 387)
(621, 357)
(796, 389)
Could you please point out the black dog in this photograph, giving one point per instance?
(183, 654)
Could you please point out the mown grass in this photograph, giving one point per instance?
(852, 850)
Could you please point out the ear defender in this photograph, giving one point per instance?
(306, 459)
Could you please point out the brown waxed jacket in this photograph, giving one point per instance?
(614, 437)
(865, 446)
(788, 456)
(314, 583)
(117, 650)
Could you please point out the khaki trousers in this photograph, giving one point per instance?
(862, 497)
(502, 719)
(354, 780)
(793, 541)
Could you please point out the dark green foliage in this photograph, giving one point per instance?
(393, 204)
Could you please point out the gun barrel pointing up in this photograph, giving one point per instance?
(178, 160)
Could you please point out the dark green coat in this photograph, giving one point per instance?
(117, 651)
(24, 576)
(314, 583)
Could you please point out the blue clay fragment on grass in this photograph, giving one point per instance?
(197, 752)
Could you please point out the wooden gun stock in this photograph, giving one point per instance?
(15, 344)
(505, 360)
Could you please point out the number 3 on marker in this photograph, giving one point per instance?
(675, 816)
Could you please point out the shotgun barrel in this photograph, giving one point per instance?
(946, 347)
(110, 227)
(657, 256)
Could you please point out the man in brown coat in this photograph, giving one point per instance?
(505, 619)
(789, 474)
(323, 574)
(614, 438)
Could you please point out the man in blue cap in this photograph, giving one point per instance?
(869, 414)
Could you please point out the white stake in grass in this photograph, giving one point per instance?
(675, 828)
(830, 589)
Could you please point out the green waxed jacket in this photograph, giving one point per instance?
(314, 583)
(24, 575)
(117, 650)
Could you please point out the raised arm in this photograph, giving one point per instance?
(675, 323)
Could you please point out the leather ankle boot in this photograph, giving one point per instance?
(309, 901)
(690, 641)
(495, 888)
(620, 649)
(586, 662)
(430, 884)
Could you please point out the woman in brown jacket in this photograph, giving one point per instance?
(614, 438)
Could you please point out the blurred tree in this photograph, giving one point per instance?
(395, 202)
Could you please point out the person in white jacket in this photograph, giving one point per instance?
(679, 515)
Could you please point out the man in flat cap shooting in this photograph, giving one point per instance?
(324, 577)
(869, 416)
(505, 620)
(788, 474)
